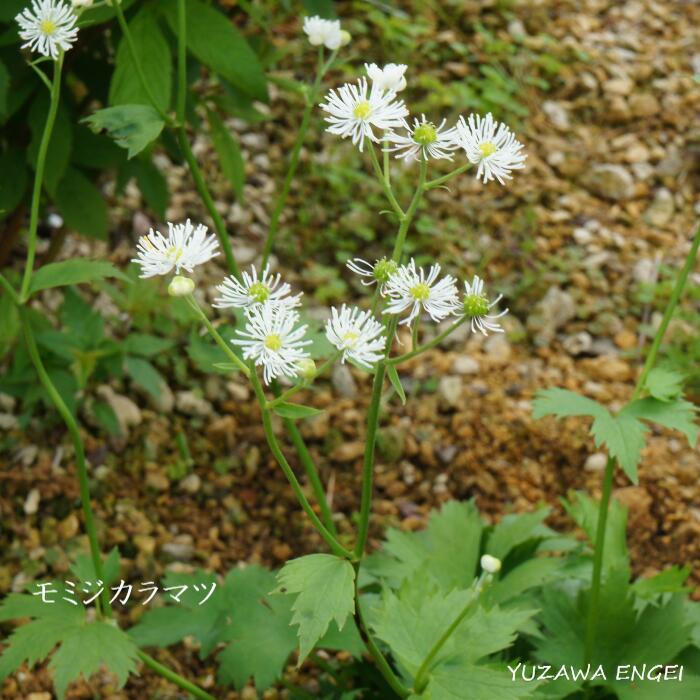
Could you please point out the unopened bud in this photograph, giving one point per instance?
(307, 368)
(345, 37)
(180, 286)
(490, 564)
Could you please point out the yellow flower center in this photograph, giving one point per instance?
(273, 342)
(350, 338)
(48, 27)
(425, 134)
(175, 253)
(421, 292)
(487, 149)
(362, 110)
(259, 292)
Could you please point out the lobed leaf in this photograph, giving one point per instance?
(131, 126)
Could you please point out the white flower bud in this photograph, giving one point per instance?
(180, 286)
(345, 37)
(307, 368)
(82, 3)
(490, 564)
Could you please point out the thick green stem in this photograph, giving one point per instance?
(173, 677)
(427, 346)
(408, 216)
(39, 176)
(592, 620)
(181, 60)
(135, 59)
(80, 463)
(204, 193)
(382, 664)
(216, 336)
(330, 540)
(283, 195)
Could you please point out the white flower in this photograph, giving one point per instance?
(353, 112)
(476, 306)
(357, 334)
(48, 27)
(251, 291)
(184, 247)
(323, 31)
(271, 340)
(378, 273)
(423, 139)
(492, 145)
(411, 288)
(388, 78)
(490, 564)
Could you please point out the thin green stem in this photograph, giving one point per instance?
(81, 465)
(408, 216)
(431, 184)
(5, 284)
(330, 540)
(39, 176)
(136, 60)
(204, 193)
(382, 664)
(414, 335)
(668, 313)
(384, 182)
(427, 346)
(592, 620)
(387, 161)
(283, 195)
(193, 304)
(173, 677)
(181, 60)
(421, 678)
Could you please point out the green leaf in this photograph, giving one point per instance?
(448, 548)
(676, 414)
(131, 126)
(532, 573)
(60, 145)
(13, 180)
(322, 8)
(261, 638)
(105, 416)
(668, 581)
(664, 384)
(514, 530)
(84, 569)
(229, 153)
(82, 205)
(4, 87)
(216, 42)
(295, 411)
(396, 382)
(83, 647)
(623, 434)
(146, 345)
(153, 186)
(94, 151)
(476, 683)
(325, 587)
(145, 375)
(74, 271)
(153, 55)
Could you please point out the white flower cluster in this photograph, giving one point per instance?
(354, 110)
(411, 288)
(48, 27)
(325, 32)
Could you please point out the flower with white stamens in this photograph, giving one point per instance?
(491, 145)
(357, 334)
(48, 27)
(252, 290)
(379, 273)
(423, 139)
(411, 288)
(391, 77)
(324, 32)
(271, 340)
(355, 111)
(476, 307)
(185, 246)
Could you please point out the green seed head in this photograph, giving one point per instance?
(476, 305)
(384, 269)
(425, 134)
(259, 292)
